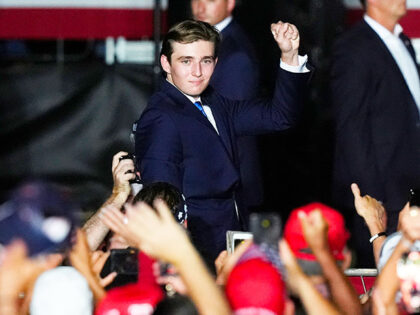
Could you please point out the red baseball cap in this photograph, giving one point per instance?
(130, 299)
(255, 287)
(337, 232)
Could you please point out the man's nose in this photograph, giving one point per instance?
(196, 69)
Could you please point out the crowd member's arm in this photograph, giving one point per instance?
(90, 265)
(315, 229)
(158, 235)
(122, 172)
(387, 283)
(374, 215)
(18, 274)
(300, 285)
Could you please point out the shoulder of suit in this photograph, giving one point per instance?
(235, 38)
(355, 40)
(160, 101)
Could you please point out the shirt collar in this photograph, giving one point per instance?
(381, 30)
(222, 24)
(192, 99)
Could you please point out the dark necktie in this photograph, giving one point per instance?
(200, 108)
(407, 43)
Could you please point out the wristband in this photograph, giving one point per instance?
(374, 237)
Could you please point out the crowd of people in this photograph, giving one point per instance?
(43, 273)
(157, 245)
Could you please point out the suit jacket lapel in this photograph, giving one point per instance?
(221, 123)
(187, 108)
(385, 52)
(185, 105)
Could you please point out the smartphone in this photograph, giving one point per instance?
(234, 238)
(125, 261)
(265, 228)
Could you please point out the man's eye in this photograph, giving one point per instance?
(208, 61)
(185, 61)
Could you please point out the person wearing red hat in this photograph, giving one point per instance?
(256, 287)
(136, 298)
(317, 236)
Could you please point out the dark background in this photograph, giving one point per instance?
(64, 120)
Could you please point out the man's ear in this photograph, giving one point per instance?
(215, 61)
(166, 66)
(230, 6)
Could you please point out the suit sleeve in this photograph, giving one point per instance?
(158, 148)
(353, 99)
(282, 112)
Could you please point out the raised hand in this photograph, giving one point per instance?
(315, 230)
(122, 172)
(287, 37)
(370, 209)
(156, 231)
(81, 259)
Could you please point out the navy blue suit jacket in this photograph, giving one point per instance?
(236, 76)
(377, 128)
(177, 144)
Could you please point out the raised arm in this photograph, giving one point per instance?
(374, 215)
(122, 172)
(300, 284)
(283, 110)
(315, 230)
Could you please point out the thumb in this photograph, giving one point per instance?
(356, 191)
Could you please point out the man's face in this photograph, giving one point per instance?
(391, 9)
(191, 66)
(212, 11)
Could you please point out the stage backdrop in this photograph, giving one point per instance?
(65, 122)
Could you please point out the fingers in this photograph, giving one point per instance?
(116, 159)
(317, 218)
(220, 260)
(286, 253)
(142, 214)
(163, 210)
(95, 256)
(108, 279)
(294, 31)
(304, 222)
(98, 260)
(286, 30)
(124, 170)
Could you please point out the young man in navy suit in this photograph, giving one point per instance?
(376, 99)
(236, 76)
(187, 134)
